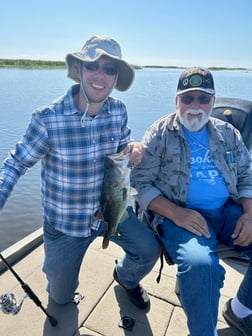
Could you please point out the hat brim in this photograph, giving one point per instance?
(125, 76)
(209, 91)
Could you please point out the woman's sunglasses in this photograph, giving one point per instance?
(110, 68)
(202, 99)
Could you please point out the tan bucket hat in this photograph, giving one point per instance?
(93, 49)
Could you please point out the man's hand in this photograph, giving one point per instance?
(135, 149)
(243, 230)
(192, 221)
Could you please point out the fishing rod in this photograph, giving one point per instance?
(8, 303)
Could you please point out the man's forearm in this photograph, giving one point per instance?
(163, 207)
(246, 204)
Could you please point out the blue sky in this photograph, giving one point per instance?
(150, 32)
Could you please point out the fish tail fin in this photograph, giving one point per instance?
(105, 242)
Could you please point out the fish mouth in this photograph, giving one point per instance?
(120, 156)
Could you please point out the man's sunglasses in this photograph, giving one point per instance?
(202, 99)
(110, 68)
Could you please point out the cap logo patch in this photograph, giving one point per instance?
(185, 82)
(195, 80)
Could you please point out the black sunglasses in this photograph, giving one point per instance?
(110, 68)
(187, 99)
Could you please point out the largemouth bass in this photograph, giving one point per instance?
(115, 193)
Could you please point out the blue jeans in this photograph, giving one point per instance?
(199, 274)
(64, 255)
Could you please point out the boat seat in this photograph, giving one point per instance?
(237, 112)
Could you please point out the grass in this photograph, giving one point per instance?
(31, 64)
(42, 64)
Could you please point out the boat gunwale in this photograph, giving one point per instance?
(20, 249)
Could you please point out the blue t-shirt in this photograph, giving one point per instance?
(207, 189)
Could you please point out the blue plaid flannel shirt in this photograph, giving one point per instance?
(72, 160)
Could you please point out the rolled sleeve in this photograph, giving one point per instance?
(147, 196)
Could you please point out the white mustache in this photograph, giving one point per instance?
(193, 125)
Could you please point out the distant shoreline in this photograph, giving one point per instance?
(41, 64)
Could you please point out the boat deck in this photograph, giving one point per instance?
(105, 302)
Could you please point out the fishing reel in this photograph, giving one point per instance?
(9, 304)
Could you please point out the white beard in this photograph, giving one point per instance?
(195, 124)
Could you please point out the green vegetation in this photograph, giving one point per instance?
(37, 64)
(162, 66)
(181, 67)
(41, 64)
(31, 64)
(223, 68)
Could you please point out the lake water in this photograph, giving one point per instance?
(151, 96)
